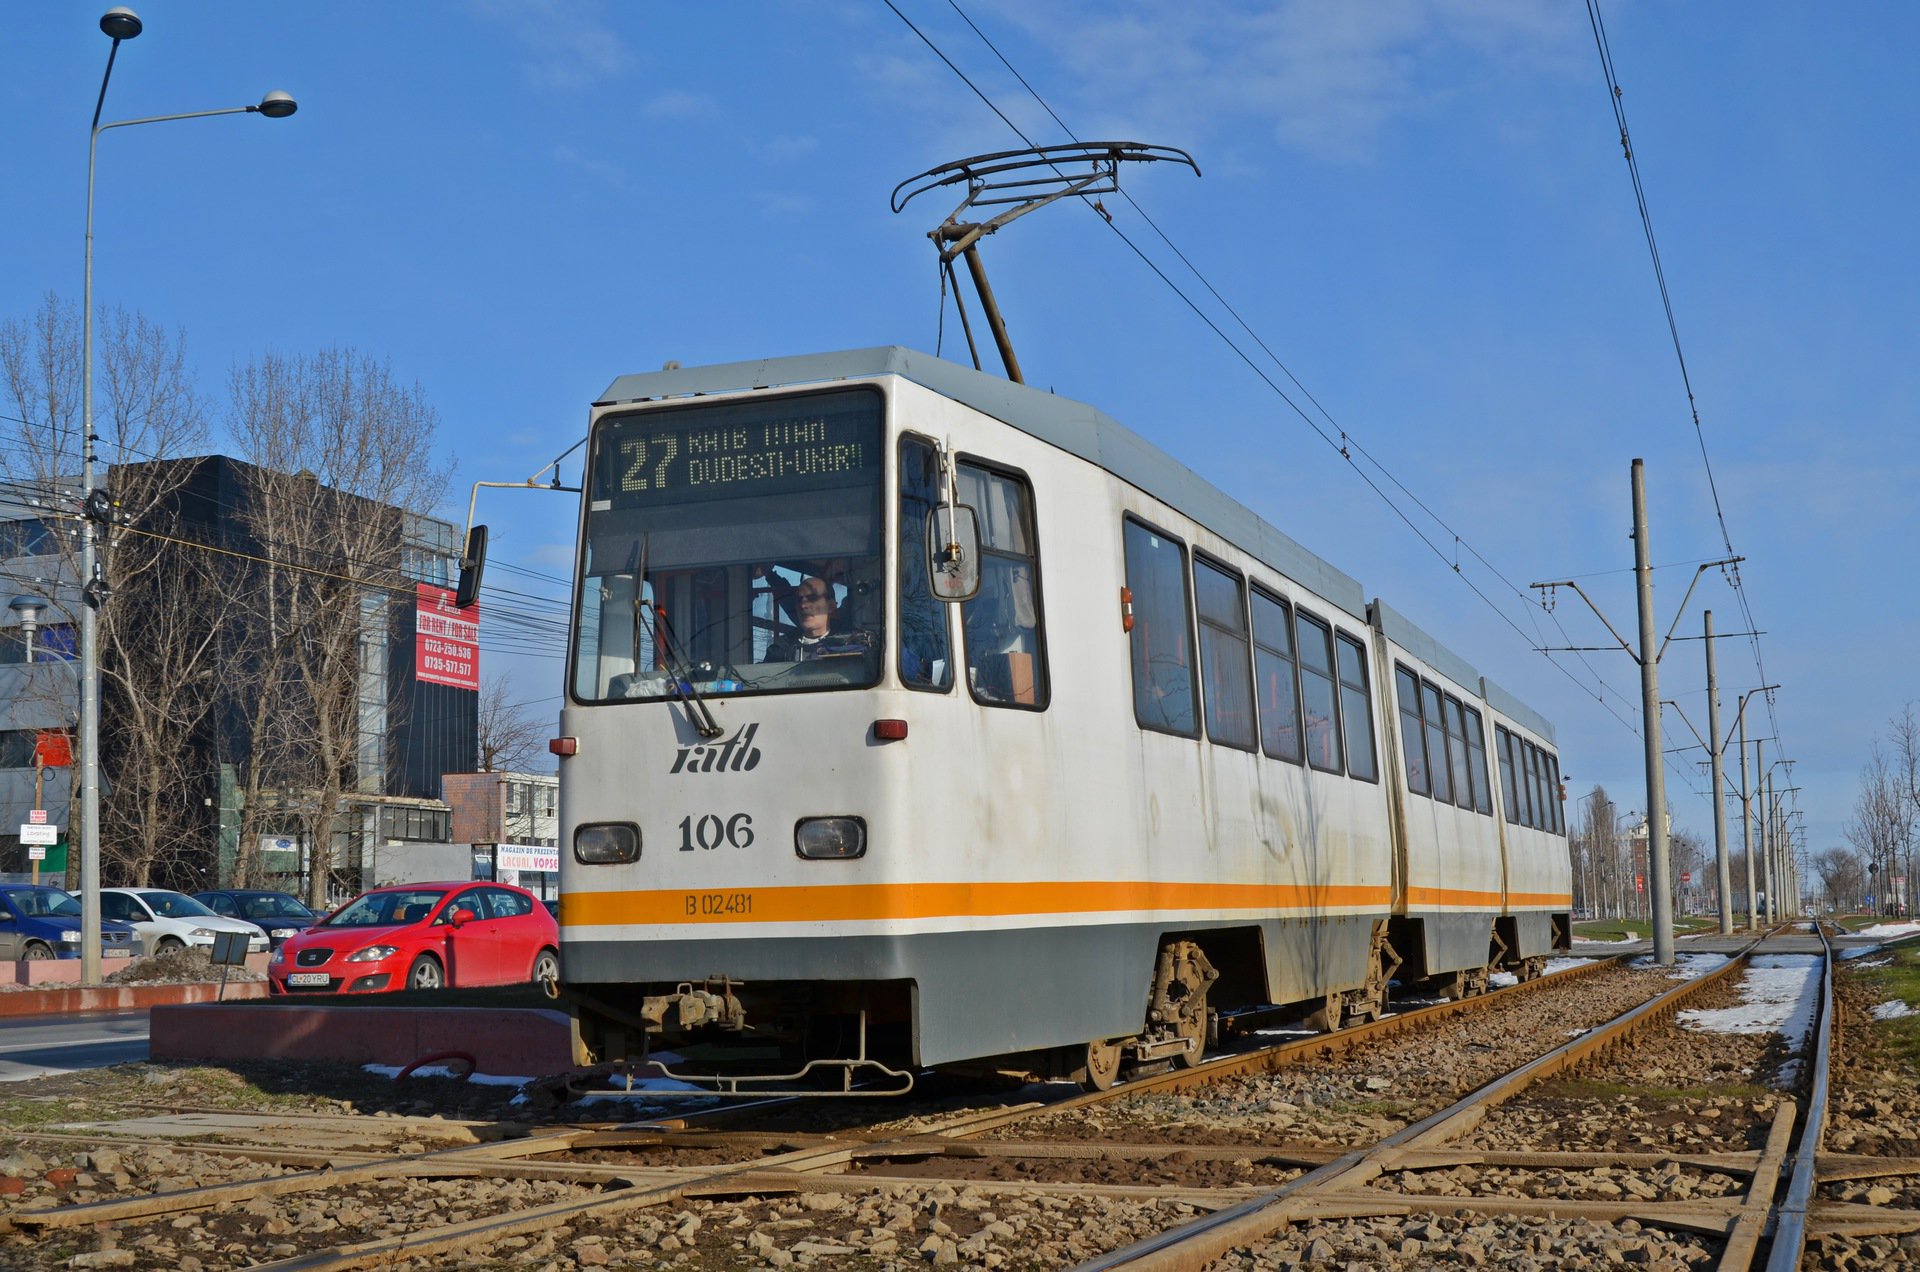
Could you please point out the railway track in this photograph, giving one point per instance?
(1049, 1182)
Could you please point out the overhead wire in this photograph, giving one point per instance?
(1345, 444)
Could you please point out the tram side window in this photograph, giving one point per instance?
(1274, 676)
(1438, 766)
(1529, 787)
(1006, 651)
(1509, 791)
(1457, 754)
(925, 660)
(1557, 804)
(1545, 804)
(1412, 736)
(1315, 640)
(1356, 709)
(1163, 688)
(1227, 692)
(1477, 760)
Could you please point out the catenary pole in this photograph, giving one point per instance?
(1715, 753)
(1658, 862)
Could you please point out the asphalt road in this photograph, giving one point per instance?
(38, 1046)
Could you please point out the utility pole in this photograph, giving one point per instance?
(1659, 857)
(1766, 827)
(1721, 861)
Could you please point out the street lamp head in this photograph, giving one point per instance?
(277, 105)
(120, 22)
(28, 608)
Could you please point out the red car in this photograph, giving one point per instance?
(422, 936)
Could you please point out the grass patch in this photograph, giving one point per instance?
(1855, 922)
(1899, 979)
(1589, 1090)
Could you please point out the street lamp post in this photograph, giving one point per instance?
(118, 24)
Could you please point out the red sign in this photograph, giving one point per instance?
(1639, 883)
(52, 749)
(38, 817)
(446, 641)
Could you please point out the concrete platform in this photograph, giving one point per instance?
(517, 1042)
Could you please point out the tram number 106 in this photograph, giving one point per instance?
(711, 831)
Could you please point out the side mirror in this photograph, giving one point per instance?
(461, 916)
(473, 563)
(953, 553)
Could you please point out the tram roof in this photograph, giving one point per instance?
(1072, 426)
(1080, 430)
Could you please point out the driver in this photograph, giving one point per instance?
(818, 629)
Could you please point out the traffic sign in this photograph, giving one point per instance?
(36, 834)
(1686, 876)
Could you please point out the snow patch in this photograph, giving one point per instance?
(446, 1071)
(1780, 994)
(1685, 966)
(1887, 931)
(1893, 1009)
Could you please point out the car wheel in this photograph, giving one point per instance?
(426, 974)
(37, 950)
(546, 967)
(168, 944)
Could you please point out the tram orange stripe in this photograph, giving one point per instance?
(1489, 900)
(858, 902)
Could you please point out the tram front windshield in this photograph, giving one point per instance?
(733, 548)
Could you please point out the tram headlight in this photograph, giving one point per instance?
(606, 843)
(830, 838)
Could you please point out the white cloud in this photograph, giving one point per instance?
(678, 104)
(601, 170)
(567, 44)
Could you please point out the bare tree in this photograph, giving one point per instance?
(1879, 825)
(341, 450)
(510, 732)
(1843, 878)
(157, 633)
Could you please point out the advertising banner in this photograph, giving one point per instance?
(446, 642)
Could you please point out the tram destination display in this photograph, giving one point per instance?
(818, 442)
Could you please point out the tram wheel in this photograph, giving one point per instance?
(1103, 1065)
(1193, 1030)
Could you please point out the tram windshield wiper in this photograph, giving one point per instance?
(645, 616)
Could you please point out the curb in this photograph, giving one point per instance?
(56, 1001)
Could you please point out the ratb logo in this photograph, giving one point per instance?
(737, 754)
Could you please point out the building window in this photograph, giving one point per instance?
(1163, 687)
(1228, 693)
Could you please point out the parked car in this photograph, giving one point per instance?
(37, 921)
(422, 936)
(281, 915)
(169, 920)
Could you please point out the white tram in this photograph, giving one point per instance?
(1163, 767)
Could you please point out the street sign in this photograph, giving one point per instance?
(1686, 876)
(38, 816)
(31, 833)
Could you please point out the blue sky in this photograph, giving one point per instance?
(1421, 208)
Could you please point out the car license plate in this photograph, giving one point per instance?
(116, 953)
(308, 978)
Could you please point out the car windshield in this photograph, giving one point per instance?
(733, 548)
(175, 905)
(273, 905)
(378, 909)
(43, 902)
